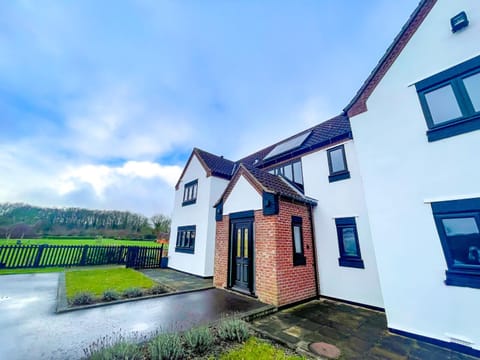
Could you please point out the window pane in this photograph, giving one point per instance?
(460, 226)
(297, 173)
(472, 83)
(297, 238)
(336, 159)
(463, 240)
(349, 243)
(443, 105)
(288, 172)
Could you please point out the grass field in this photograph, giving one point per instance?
(67, 241)
(97, 281)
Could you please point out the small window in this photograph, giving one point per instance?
(450, 100)
(186, 239)
(458, 224)
(297, 236)
(348, 245)
(190, 193)
(337, 163)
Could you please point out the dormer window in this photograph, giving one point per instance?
(190, 193)
(292, 172)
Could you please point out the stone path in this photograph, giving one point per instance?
(357, 332)
(177, 280)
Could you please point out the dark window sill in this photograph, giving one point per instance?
(299, 260)
(340, 176)
(184, 250)
(351, 262)
(455, 128)
(463, 278)
(189, 202)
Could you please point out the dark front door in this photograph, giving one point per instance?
(242, 240)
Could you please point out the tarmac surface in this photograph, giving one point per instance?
(30, 328)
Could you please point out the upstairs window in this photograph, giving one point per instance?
(297, 237)
(450, 100)
(337, 164)
(348, 245)
(458, 226)
(190, 193)
(186, 239)
(292, 172)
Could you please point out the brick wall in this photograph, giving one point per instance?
(294, 283)
(220, 269)
(277, 281)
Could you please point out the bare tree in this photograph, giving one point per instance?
(161, 223)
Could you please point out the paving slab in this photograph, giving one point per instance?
(357, 332)
(177, 280)
(30, 328)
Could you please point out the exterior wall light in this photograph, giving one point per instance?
(459, 21)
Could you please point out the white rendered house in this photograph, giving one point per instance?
(318, 165)
(192, 239)
(383, 201)
(416, 126)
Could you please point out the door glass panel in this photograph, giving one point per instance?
(245, 243)
(472, 84)
(349, 242)
(297, 236)
(239, 242)
(443, 105)
(336, 159)
(460, 226)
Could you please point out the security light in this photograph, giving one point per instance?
(459, 21)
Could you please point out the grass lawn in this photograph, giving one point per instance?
(67, 241)
(256, 349)
(98, 280)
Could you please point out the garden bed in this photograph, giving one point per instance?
(228, 339)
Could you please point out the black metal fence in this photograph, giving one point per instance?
(40, 256)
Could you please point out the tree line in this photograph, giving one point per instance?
(18, 220)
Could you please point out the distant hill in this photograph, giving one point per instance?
(27, 221)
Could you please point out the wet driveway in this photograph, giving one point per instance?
(30, 328)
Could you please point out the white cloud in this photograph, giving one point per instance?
(101, 177)
(32, 173)
(118, 123)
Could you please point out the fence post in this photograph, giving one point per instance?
(36, 263)
(83, 260)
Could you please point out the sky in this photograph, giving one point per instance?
(101, 102)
